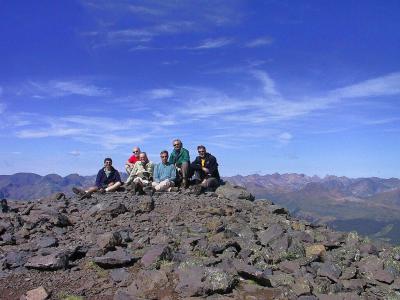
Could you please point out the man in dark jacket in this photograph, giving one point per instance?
(107, 180)
(205, 167)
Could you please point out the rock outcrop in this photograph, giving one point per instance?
(221, 245)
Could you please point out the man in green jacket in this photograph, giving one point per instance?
(181, 160)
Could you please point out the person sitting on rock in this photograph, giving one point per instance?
(181, 160)
(107, 180)
(4, 206)
(141, 174)
(205, 169)
(164, 174)
(132, 160)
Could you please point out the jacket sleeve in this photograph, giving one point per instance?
(196, 164)
(172, 173)
(185, 156)
(98, 178)
(150, 168)
(171, 158)
(212, 165)
(117, 176)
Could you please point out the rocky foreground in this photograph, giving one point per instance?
(181, 246)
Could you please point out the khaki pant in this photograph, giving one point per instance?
(140, 181)
(163, 185)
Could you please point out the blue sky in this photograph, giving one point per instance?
(267, 86)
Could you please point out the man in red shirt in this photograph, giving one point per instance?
(132, 160)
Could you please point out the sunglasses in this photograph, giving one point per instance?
(175, 145)
(135, 151)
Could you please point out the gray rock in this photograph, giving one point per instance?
(15, 259)
(46, 242)
(39, 293)
(201, 281)
(155, 254)
(109, 240)
(250, 272)
(120, 275)
(54, 261)
(147, 284)
(272, 232)
(114, 259)
(145, 204)
(330, 271)
(233, 192)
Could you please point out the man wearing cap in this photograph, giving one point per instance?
(181, 160)
(107, 180)
(132, 160)
(205, 168)
(141, 174)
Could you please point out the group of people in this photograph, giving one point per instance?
(174, 171)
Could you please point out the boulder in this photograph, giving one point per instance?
(51, 262)
(155, 254)
(114, 259)
(233, 192)
(109, 240)
(39, 293)
(148, 284)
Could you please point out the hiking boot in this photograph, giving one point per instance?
(174, 189)
(197, 189)
(185, 183)
(148, 190)
(78, 191)
(131, 187)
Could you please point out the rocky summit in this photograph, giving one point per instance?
(179, 245)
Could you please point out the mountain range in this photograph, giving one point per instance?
(370, 206)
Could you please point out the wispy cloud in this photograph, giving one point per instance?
(259, 42)
(108, 132)
(382, 86)
(285, 137)
(74, 153)
(212, 44)
(145, 10)
(159, 18)
(258, 111)
(2, 105)
(160, 93)
(61, 88)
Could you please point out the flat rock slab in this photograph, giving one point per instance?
(147, 284)
(233, 192)
(51, 262)
(114, 259)
(47, 242)
(201, 281)
(272, 232)
(156, 254)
